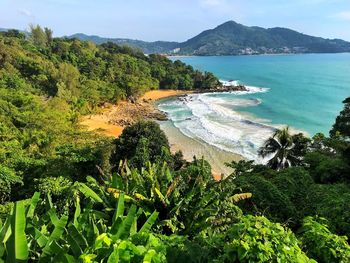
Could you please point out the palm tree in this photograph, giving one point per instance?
(282, 148)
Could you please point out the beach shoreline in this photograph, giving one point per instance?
(114, 118)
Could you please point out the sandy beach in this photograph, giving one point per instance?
(112, 120)
(194, 147)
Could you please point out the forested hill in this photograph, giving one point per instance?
(232, 38)
(158, 47)
(68, 195)
(47, 83)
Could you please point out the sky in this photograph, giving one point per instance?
(175, 20)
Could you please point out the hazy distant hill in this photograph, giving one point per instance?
(147, 47)
(232, 38)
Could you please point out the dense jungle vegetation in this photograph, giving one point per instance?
(67, 195)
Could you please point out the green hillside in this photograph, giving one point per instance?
(158, 47)
(232, 38)
(67, 195)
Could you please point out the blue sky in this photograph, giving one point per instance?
(175, 20)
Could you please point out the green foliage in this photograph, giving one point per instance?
(98, 208)
(8, 177)
(231, 38)
(188, 200)
(342, 123)
(291, 194)
(256, 239)
(295, 184)
(92, 235)
(321, 244)
(325, 168)
(47, 83)
(333, 203)
(286, 150)
(39, 36)
(267, 198)
(142, 142)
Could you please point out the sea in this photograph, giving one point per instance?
(302, 91)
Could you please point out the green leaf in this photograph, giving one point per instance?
(40, 238)
(56, 234)
(5, 231)
(53, 216)
(48, 202)
(149, 256)
(77, 241)
(124, 229)
(120, 207)
(17, 247)
(149, 223)
(114, 257)
(88, 192)
(77, 212)
(33, 203)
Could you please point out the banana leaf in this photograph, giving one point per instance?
(119, 212)
(55, 235)
(77, 211)
(77, 241)
(149, 223)
(124, 229)
(33, 203)
(17, 246)
(88, 192)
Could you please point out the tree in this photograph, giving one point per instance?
(342, 123)
(38, 35)
(14, 33)
(286, 150)
(321, 243)
(49, 35)
(132, 141)
(256, 239)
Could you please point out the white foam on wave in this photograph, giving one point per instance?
(250, 89)
(212, 119)
(229, 82)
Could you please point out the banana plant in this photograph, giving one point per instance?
(88, 235)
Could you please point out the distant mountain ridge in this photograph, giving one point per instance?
(231, 38)
(146, 47)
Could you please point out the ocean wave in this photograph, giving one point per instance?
(250, 89)
(212, 118)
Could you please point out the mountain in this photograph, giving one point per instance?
(232, 38)
(146, 47)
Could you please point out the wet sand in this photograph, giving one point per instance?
(112, 120)
(193, 147)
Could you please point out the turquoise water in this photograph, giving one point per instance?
(305, 91)
(302, 91)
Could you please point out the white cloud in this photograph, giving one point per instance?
(25, 12)
(344, 15)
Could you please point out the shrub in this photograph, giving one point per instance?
(321, 244)
(142, 139)
(267, 198)
(256, 239)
